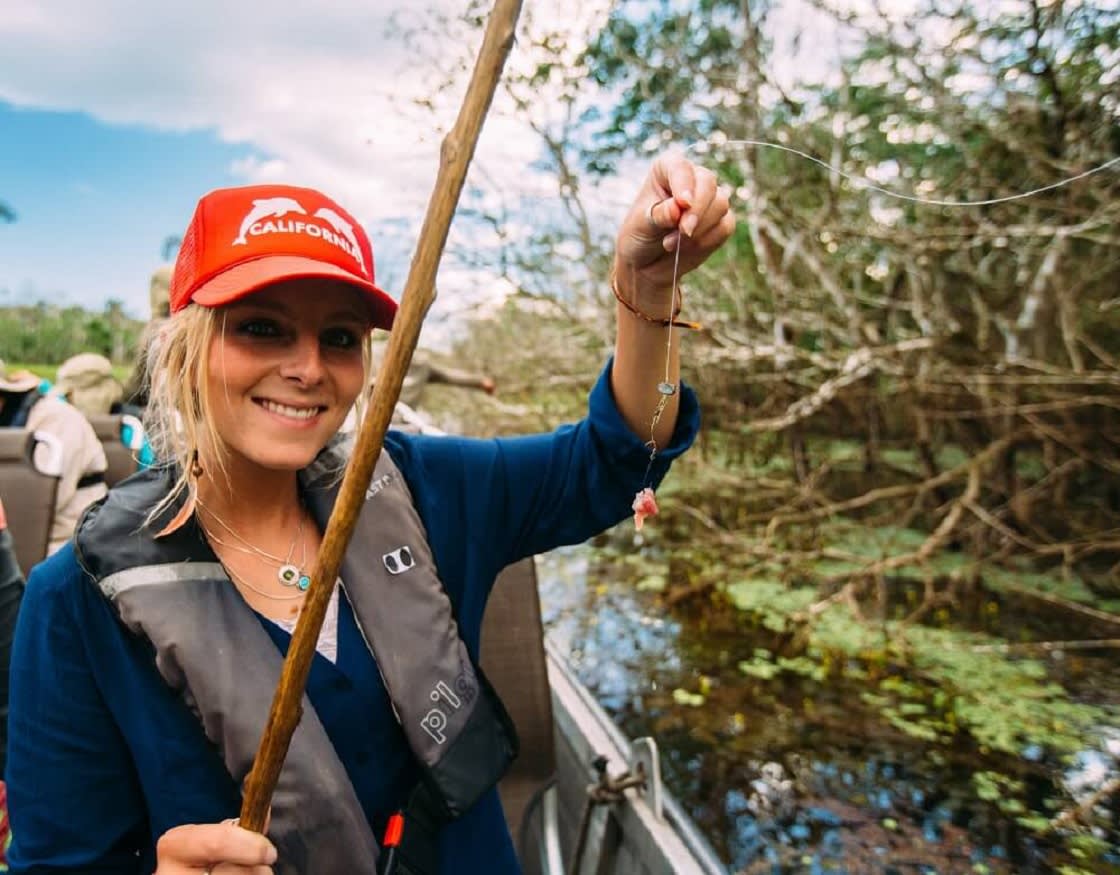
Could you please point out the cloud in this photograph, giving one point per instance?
(321, 92)
(312, 86)
(324, 94)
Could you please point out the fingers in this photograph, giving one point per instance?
(706, 188)
(711, 228)
(234, 869)
(223, 848)
(695, 203)
(711, 239)
(679, 201)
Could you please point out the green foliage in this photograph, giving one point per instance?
(49, 372)
(769, 602)
(955, 100)
(1006, 703)
(937, 683)
(688, 699)
(660, 60)
(1020, 576)
(1089, 847)
(49, 335)
(652, 583)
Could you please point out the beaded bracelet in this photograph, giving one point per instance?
(665, 322)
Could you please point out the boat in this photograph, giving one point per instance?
(582, 799)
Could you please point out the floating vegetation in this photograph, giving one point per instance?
(993, 726)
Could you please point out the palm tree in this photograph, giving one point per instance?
(7, 214)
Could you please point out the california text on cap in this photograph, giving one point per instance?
(241, 239)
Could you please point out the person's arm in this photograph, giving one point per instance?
(73, 796)
(523, 495)
(678, 202)
(76, 800)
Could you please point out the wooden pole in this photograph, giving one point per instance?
(456, 152)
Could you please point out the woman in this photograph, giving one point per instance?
(147, 653)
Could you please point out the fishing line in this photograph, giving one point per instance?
(667, 388)
(864, 183)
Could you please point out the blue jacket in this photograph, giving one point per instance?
(103, 758)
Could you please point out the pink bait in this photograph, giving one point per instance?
(644, 505)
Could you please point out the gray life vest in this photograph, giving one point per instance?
(211, 649)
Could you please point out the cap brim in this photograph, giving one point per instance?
(251, 276)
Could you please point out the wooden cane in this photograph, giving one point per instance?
(456, 152)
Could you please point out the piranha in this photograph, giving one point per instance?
(644, 505)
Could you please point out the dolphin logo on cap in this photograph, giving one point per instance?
(343, 229)
(272, 206)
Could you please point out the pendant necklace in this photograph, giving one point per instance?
(294, 575)
(237, 578)
(288, 573)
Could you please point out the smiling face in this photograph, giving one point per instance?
(283, 370)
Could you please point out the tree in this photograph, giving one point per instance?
(7, 214)
(949, 374)
(845, 295)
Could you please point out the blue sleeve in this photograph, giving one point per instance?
(73, 797)
(11, 592)
(526, 495)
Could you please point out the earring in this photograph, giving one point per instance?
(189, 502)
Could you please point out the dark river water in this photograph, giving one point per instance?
(799, 775)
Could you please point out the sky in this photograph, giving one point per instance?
(115, 116)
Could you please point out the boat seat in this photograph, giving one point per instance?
(513, 659)
(30, 468)
(123, 459)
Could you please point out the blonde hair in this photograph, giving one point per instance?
(178, 419)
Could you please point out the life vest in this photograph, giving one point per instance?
(211, 649)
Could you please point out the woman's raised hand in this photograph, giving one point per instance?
(678, 201)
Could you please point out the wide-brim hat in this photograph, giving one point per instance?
(18, 381)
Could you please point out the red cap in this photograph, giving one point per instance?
(241, 239)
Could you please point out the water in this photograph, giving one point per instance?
(801, 776)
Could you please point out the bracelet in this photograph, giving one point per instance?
(664, 322)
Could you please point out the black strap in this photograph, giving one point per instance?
(426, 812)
(16, 414)
(91, 479)
(418, 853)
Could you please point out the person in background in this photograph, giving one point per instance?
(23, 404)
(136, 387)
(11, 592)
(86, 381)
(148, 651)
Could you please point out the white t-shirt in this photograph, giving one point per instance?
(82, 455)
(328, 634)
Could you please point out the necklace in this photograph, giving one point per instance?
(237, 578)
(288, 574)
